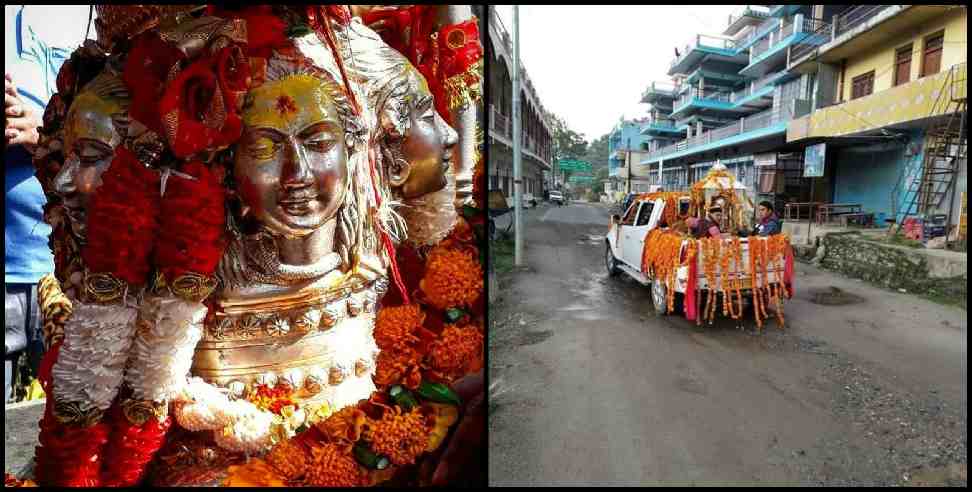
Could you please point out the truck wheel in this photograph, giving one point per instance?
(659, 296)
(612, 264)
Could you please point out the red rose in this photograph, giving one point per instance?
(199, 107)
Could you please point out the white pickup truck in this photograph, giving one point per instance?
(625, 244)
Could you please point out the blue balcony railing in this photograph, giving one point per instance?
(748, 124)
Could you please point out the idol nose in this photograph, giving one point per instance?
(450, 137)
(64, 180)
(296, 172)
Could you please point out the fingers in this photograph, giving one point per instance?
(21, 137)
(9, 87)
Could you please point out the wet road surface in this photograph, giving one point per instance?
(590, 386)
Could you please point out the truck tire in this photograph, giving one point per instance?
(678, 304)
(611, 263)
(659, 296)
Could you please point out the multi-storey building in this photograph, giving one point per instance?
(888, 89)
(626, 147)
(536, 134)
(730, 98)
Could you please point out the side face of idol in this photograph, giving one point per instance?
(94, 126)
(291, 162)
(426, 146)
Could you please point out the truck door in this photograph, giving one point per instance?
(633, 236)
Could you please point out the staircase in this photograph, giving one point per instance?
(928, 182)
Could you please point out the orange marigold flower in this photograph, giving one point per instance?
(400, 437)
(289, 459)
(395, 326)
(333, 466)
(344, 426)
(453, 278)
(398, 366)
(456, 351)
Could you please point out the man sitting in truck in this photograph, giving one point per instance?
(707, 226)
(769, 222)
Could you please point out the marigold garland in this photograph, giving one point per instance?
(400, 436)
(457, 351)
(332, 466)
(344, 426)
(454, 278)
(401, 366)
(395, 326)
(288, 458)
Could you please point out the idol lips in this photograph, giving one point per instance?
(297, 204)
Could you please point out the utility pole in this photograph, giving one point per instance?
(517, 156)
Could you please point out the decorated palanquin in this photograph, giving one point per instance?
(263, 272)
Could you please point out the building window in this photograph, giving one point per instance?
(862, 85)
(902, 65)
(932, 60)
(493, 182)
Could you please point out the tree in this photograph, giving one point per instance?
(597, 152)
(567, 144)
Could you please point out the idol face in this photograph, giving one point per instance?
(426, 146)
(291, 164)
(95, 124)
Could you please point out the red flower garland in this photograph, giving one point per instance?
(68, 455)
(131, 449)
(123, 219)
(193, 219)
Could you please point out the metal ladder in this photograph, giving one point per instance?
(928, 184)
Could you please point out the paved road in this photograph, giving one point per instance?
(589, 385)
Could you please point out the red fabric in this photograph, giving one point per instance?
(693, 280)
(146, 68)
(131, 448)
(68, 455)
(123, 220)
(788, 273)
(264, 30)
(193, 218)
(47, 365)
(193, 96)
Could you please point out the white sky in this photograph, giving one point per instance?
(590, 64)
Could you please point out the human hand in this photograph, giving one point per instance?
(461, 463)
(21, 121)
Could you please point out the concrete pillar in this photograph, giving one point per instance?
(688, 131)
(798, 23)
(698, 127)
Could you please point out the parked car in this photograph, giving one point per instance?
(557, 197)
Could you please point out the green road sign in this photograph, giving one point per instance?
(580, 179)
(574, 165)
